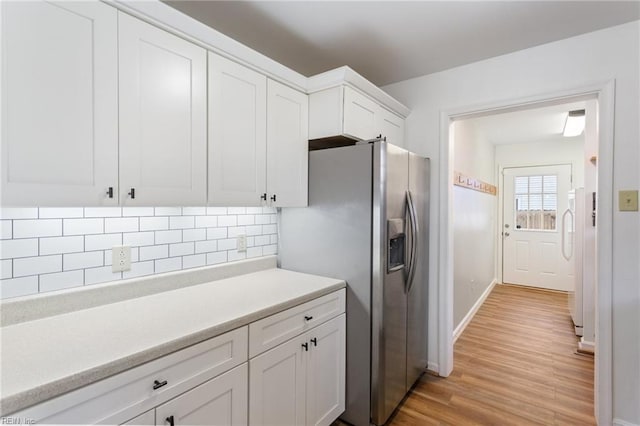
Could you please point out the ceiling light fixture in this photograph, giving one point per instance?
(574, 124)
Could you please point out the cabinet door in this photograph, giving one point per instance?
(162, 116)
(391, 126)
(59, 103)
(220, 401)
(359, 115)
(326, 372)
(277, 385)
(287, 146)
(237, 134)
(144, 419)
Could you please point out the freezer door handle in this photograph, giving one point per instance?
(413, 221)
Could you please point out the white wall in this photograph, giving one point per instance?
(474, 220)
(48, 249)
(591, 58)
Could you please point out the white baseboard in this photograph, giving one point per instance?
(467, 318)
(620, 422)
(586, 346)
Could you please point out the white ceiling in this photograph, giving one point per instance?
(390, 41)
(530, 125)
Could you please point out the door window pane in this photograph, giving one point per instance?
(536, 202)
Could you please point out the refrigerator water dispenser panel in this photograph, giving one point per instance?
(395, 244)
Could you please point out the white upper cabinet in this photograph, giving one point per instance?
(237, 134)
(391, 126)
(344, 112)
(163, 128)
(287, 146)
(59, 103)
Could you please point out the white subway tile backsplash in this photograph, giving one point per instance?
(227, 220)
(6, 229)
(29, 228)
(154, 223)
(88, 259)
(194, 211)
(227, 244)
(37, 265)
(270, 229)
(121, 224)
(102, 242)
(234, 255)
(137, 211)
(196, 234)
(246, 219)
(100, 275)
(216, 233)
(60, 212)
(194, 261)
(18, 213)
(139, 269)
(138, 239)
(83, 226)
(18, 287)
(270, 249)
(255, 229)
(181, 249)
(167, 265)
(102, 212)
(154, 252)
(167, 237)
(206, 246)
(217, 257)
(206, 221)
(61, 280)
(59, 245)
(181, 222)
(10, 249)
(46, 249)
(168, 211)
(218, 211)
(6, 269)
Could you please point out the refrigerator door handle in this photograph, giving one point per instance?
(563, 233)
(413, 219)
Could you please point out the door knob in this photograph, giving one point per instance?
(506, 225)
(506, 234)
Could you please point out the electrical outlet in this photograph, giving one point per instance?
(241, 243)
(121, 258)
(628, 201)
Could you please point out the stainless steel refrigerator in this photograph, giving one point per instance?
(367, 223)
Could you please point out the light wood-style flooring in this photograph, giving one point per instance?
(515, 364)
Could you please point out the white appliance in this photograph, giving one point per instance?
(572, 250)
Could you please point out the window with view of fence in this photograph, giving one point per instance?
(536, 202)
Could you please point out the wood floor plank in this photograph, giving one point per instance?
(515, 364)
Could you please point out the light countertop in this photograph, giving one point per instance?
(47, 357)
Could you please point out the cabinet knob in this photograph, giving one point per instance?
(132, 193)
(305, 346)
(157, 384)
(308, 318)
(263, 197)
(170, 421)
(314, 341)
(273, 198)
(110, 192)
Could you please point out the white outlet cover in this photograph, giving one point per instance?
(121, 258)
(241, 243)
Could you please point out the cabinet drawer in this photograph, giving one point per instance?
(278, 328)
(121, 397)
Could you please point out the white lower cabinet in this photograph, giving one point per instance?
(302, 381)
(220, 401)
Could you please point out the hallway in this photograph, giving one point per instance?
(515, 364)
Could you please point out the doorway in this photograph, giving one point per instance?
(603, 93)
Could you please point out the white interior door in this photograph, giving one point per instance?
(534, 201)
